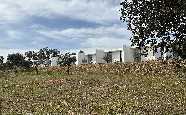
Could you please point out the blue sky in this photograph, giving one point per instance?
(62, 24)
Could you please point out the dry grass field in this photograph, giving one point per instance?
(92, 93)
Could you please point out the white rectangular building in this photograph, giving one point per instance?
(121, 55)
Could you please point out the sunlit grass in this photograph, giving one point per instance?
(55, 92)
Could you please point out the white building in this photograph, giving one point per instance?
(54, 61)
(150, 55)
(95, 58)
(130, 55)
(121, 55)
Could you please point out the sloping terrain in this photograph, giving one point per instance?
(54, 92)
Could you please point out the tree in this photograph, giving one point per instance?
(1, 59)
(42, 56)
(90, 59)
(81, 51)
(1, 63)
(158, 23)
(84, 61)
(18, 60)
(29, 55)
(108, 57)
(67, 60)
(46, 53)
(54, 52)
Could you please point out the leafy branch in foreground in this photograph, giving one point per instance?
(158, 23)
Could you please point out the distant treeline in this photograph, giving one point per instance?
(33, 59)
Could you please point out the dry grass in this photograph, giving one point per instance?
(94, 92)
(154, 68)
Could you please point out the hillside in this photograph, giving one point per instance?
(91, 92)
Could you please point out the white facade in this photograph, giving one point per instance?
(91, 58)
(116, 56)
(151, 55)
(99, 56)
(94, 58)
(124, 55)
(119, 55)
(54, 61)
(82, 58)
(129, 54)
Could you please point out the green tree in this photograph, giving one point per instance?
(33, 56)
(90, 59)
(18, 60)
(42, 56)
(67, 60)
(1, 59)
(84, 61)
(158, 23)
(54, 52)
(45, 54)
(29, 55)
(108, 57)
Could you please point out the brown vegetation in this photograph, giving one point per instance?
(168, 68)
(136, 88)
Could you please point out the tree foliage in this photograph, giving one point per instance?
(36, 58)
(18, 60)
(67, 60)
(1, 59)
(158, 23)
(108, 57)
(42, 55)
(90, 59)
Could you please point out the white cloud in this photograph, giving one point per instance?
(100, 11)
(92, 37)
(9, 13)
(14, 35)
(73, 33)
(104, 42)
(20, 12)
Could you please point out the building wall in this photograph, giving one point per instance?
(94, 59)
(128, 55)
(81, 57)
(99, 56)
(116, 56)
(54, 61)
(150, 56)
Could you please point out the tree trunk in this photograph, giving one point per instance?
(121, 57)
(162, 54)
(37, 72)
(68, 70)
